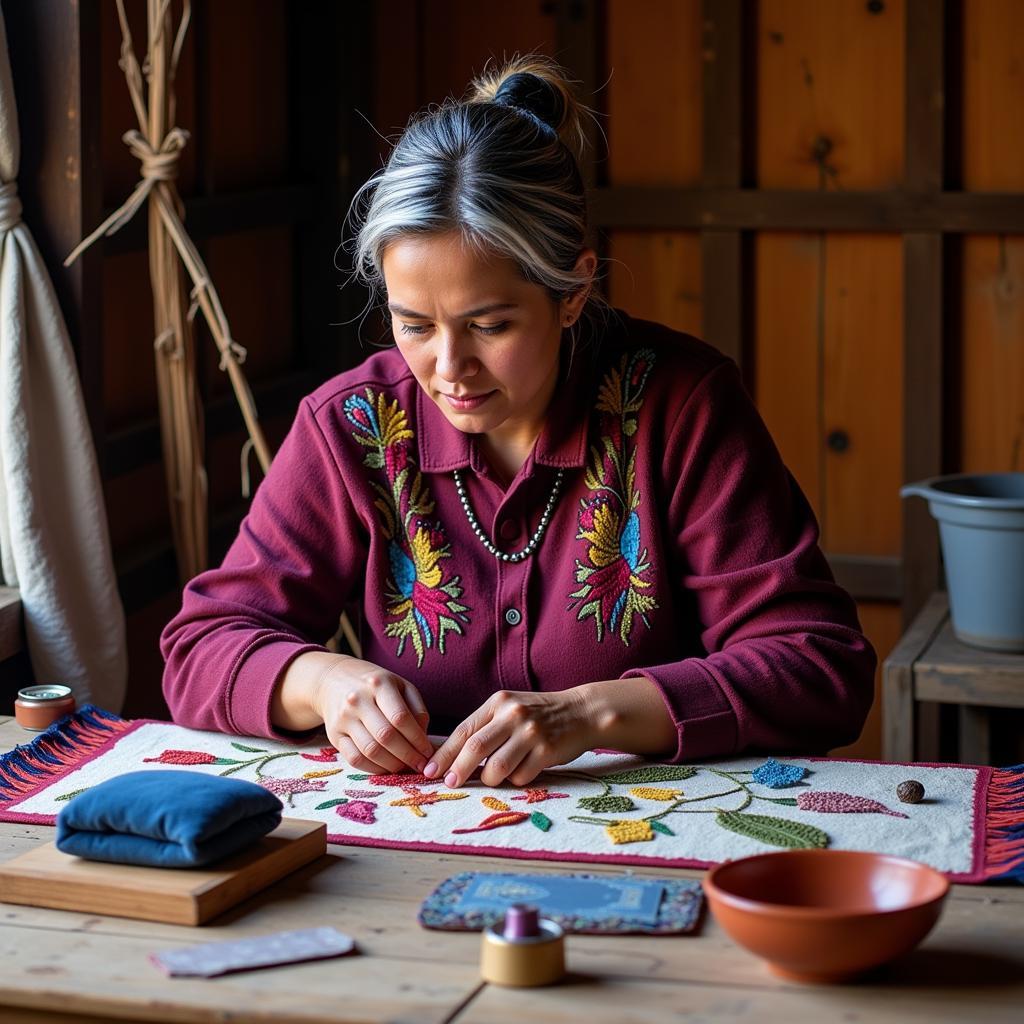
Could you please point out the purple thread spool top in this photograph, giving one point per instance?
(521, 922)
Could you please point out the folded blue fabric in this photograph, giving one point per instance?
(170, 819)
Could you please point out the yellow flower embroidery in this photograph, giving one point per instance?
(637, 831)
(654, 793)
(494, 803)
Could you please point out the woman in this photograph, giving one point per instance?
(568, 530)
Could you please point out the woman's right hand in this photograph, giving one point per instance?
(376, 719)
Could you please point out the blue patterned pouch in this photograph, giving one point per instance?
(170, 819)
(579, 903)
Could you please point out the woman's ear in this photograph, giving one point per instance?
(572, 304)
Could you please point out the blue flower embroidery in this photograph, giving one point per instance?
(776, 775)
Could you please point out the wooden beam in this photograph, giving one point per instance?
(578, 24)
(723, 300)
(922, 297)
(897, 210)
(138, 445)
(227, 214)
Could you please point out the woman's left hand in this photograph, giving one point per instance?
(520, 733)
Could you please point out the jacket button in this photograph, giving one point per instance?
(513, 617)
(509, 530)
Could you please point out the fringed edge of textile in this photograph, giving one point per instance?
(1004, 838)
(58, 748)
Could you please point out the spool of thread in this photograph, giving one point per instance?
(37, 707)
(525, 950)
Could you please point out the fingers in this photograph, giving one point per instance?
(417, 706)
(373, 751)
(481, 742)
(354, 758)
(441, 762)
(383, 715)
(402, 705)
(387, 739)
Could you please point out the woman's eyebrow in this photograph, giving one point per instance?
(479, 311)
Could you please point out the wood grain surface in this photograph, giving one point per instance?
(45, 877)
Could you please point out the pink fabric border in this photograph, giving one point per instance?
(981, 785)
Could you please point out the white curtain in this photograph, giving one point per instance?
(54, 544)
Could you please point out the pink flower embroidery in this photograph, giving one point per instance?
(842, 803)
(358, 810)
(289, 787)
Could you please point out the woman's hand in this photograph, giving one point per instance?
(520, 733)
(376, 719)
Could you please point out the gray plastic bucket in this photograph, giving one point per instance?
(981, 523)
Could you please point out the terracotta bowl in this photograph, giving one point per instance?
(825, 915)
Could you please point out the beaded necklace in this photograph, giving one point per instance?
(506, 556)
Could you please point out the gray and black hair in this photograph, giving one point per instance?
(502, 166)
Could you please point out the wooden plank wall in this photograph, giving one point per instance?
(816, 317)
(822, 319)
(240, 70)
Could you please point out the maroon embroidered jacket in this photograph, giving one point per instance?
(680, 549)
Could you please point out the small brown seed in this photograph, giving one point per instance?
(910, 792)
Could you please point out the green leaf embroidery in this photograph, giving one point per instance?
(663, 829)
(652, 773)
(73, 793)
(359, 778)
(223, 760)
(788, 801)
(793, 835)
(330, 803)
(607, 804)
(248, 750)
(542, 821)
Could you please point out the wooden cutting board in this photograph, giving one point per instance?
(45, 877)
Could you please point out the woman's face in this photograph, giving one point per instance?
(482, 342)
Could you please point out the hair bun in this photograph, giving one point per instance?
(535, 95)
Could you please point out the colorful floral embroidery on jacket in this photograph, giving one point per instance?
(616, 572)
(422, 601)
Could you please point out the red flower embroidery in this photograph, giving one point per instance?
(396, 458)
(326, 754)
(403, 779)
(499, 820)
(185, 757)
(536, 796)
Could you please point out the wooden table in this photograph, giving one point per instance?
(929, 665)
(58, 966)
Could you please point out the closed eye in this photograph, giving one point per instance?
(421, 329)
